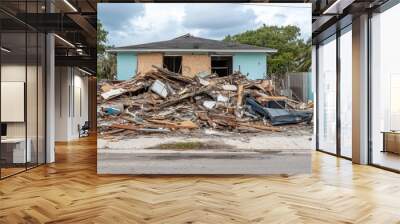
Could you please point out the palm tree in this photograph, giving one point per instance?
(305, 58)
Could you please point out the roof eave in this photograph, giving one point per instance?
(116, 50)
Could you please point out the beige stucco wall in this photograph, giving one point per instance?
(194, 64)
(146, 60)
(191, 64)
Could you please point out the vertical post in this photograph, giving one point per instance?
(1, 164)
(316, 95)
(369, 89)
(50, 92)
(338, 76)
(26, 87)
(360, 89)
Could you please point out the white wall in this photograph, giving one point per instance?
(80, 94)
(33, 126)
(70, 84)
(61, 103)
(16, 73)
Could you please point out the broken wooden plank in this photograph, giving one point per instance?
(173, 83)
(182, 124)
(229, 87)
(125, 127)
(139, 128)
(113, 93)
(185, 96)
(173, 75)
(261, 127)
(271, 98)
(187, 124)
(240, 92)
(106, 87)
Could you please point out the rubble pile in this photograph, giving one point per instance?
(161, 101)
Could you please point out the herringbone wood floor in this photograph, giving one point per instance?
(69, 191)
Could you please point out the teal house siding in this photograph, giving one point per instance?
(254, 65)
(126, 65)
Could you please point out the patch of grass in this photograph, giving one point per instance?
(180, 145)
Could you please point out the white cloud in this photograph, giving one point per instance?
(156, 23)
(216, 22)
(160, 21)
(298, 14)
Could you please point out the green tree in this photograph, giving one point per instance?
(107, 67)
(106, 63)
(101, 39)
(294, 54)
(305, 57)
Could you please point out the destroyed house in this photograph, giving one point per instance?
(189, 55)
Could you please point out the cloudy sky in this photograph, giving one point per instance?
(134, 23)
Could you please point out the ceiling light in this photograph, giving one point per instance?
(79, 51)
(86, 72)
(64, 40)
(5, 50)
(338, 6)
(70, 5)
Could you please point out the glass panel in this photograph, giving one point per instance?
(314, 90)
(23, 89)
(327, 96)
(346, 93)
(386, 89)
(41, 90)
(31, 98)
(32, 89)
(41, 98)
(13, 86)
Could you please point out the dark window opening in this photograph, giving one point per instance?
(222, 65)
(173, 63)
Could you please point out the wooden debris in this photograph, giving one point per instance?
(113, 93)
(182, 124)
(240, 92)
(261, 127)
(162, 101)
(185, 96)
(106, 87)
(125, 126)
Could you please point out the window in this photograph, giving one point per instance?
(22, 76)
(173, 63)
(221, 65)
(14, 72)
(346, 92)
(327, 95)
(385, 89)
